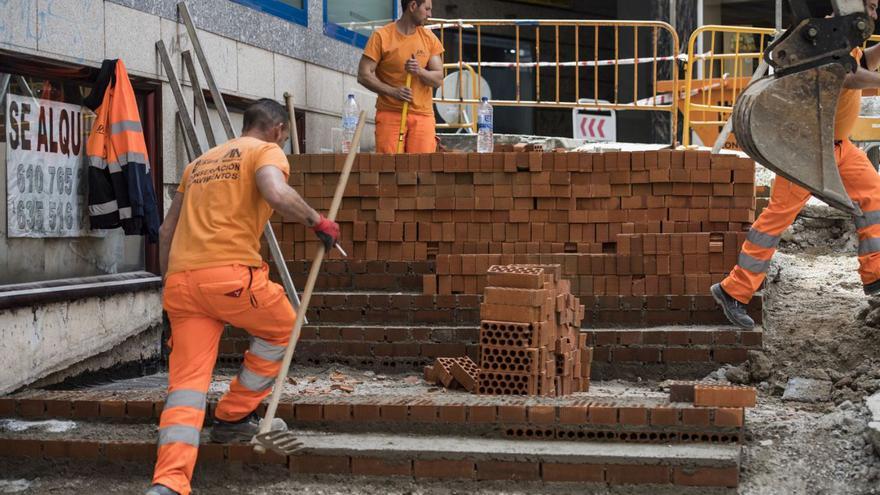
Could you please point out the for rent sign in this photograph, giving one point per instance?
(45, 183)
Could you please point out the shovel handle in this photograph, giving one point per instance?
(403, 114)
(266, 423)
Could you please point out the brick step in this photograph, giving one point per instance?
(606, 415)
(410, 456)
(392, 307)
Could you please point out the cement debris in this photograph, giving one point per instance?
(807, 390)
(48, 426)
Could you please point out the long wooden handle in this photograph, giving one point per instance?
(310, 285)
(294, 133)
(403, 115)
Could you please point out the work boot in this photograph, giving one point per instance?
(242, 431)
(734, 310)
(160, 490)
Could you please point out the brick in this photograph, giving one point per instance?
(85, 450)
(695, 417)
(444, 469)
(681, 391)
(421, 413)
(337, 412)
(27, 448)
(573, 415)
(664, 416)
(31, 408)
(308, 412)
(510, 471)
(452, 413)
(729, 416)
(139, 409)
(735, 356)
(573, 472)
(706, 476)
(365, 412)
(724, 396)
(212, 452)
(394, 412)
(752, 339)
(56, 448)
(482, 414)
(633, 416)
(603, 415)
(320, 464)
(687, 355)
(131, 451)
(637, 474)
(512, 414)
(542, 415)
(7, 407)
(374, 466)
(112, 408)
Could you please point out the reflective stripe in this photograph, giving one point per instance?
(761, 239)
(103, 208)
(132, 157)
(253, 381)
(753, 264)
(179, 434)
(267, 351)
(97, 162)
(868, 246)
(126, 125)
(869, 218)
(125, 212)
(186, 398)
(114, 167)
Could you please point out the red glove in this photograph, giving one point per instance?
(328, 231)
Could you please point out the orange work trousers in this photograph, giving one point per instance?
(198, 303)
(420, 136)
(862, 183)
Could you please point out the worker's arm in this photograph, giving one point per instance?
(166, 231)
(862, 79)
(872, 57)
(283, 198)
(367, 78)
(432, 75)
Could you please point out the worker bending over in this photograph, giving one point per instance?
(393, 51)
(786, 200)
(214, 274)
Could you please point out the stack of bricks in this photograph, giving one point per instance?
(530, 340)
(415, 207)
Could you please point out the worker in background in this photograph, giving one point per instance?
(393, 51)
(786, 200)
(214, 274)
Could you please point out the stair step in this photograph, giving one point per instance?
(413, 456)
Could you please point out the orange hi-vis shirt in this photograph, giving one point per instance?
(390, 50)
(848, 107)
(223, 213)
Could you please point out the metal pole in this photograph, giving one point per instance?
(778, 22)
(199, 98)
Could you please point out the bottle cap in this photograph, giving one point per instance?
(351, 95)
(484, 99)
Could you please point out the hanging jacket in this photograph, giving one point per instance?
(120, 188)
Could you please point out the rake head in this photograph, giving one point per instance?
(282, 442)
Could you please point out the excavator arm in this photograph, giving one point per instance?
(785, 121)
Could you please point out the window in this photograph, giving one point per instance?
(353, 22)
(292, 10)
(43, 130)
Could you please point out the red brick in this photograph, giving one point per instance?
(373, 466)
(453, 413)
(506, 470)
(320, 464)
(422, 413)
(681, 392)
(695, 417)
(676, 355)
(31, 408)
(337, 412)
(482, 414)
(706, 476)
(735, 356)
(140, 409)
(664, 416)
(112, 408)
(7, 407)
(603, 415)
(573, 472)
(308, 412)
(393, 412)
(212, 452)
(85, 450)
(573, 415)
(633, 416)
(444, 469)
(724, 396)
(130, 451)
(56, 448)
(752, 339)
(542, 415)
(637, 474)
(512, 414)
(241, 453)
(729, 416)
(286, 412)
(365, 412)
(60, 408)
(27, 448)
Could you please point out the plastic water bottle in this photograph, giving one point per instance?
(350, 114)
(485, 139)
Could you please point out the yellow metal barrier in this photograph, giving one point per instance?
(625, 52)
(713, 80)
(475, 90)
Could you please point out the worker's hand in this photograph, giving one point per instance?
(328, 231)
(403, 94)
(413, 67)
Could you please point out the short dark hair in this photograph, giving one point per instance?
(404, 4)
(264, 114)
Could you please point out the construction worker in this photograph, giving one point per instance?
(786, 200)
(210, 255)
(393, 51)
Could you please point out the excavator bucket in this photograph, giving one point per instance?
(785, 121)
